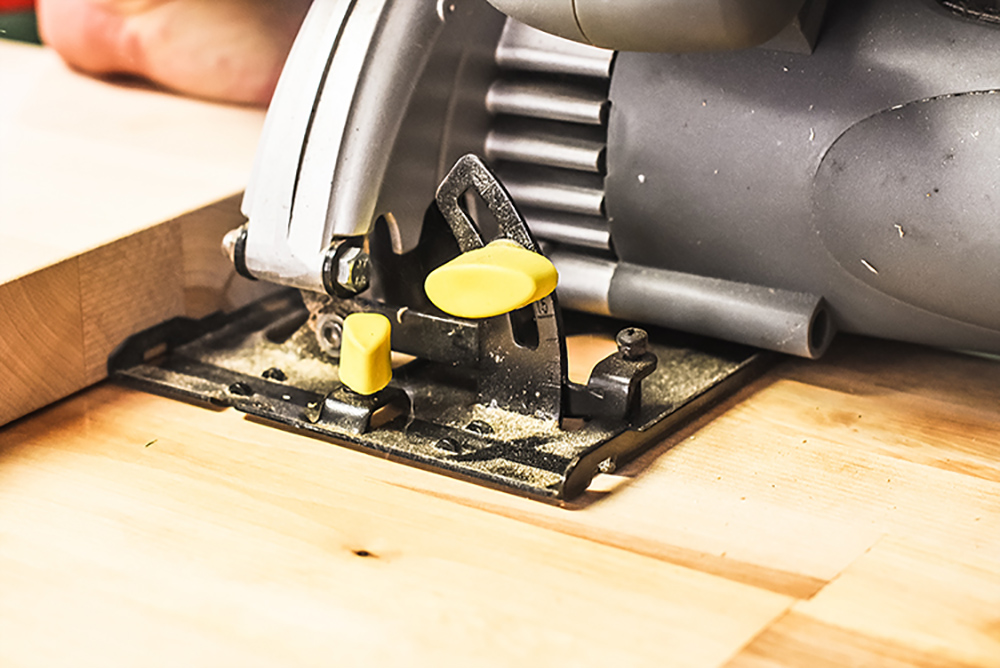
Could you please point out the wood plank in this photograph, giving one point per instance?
(933, 598)
(59, 324)
(97, 185)
(216, 539)
(86, 162)
(898, 605)
(41, 345)
(149, 530)
(779, 490)
(799, 640)
(127, 286)
(955, 379)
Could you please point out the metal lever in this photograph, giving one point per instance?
(526, 377)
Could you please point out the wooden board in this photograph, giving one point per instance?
(845, 512)
(96, 240)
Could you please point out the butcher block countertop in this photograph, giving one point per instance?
(844, 512)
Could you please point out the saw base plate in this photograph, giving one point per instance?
(262, 361)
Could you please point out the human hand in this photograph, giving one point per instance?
(229, 50)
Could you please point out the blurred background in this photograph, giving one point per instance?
(17, 21)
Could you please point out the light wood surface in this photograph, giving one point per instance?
(96, 242)
(838, 513)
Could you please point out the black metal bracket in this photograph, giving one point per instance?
(614, 390)
(477, 402)
(248, 360)
(526, 379)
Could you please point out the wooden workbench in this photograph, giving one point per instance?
(839, 513)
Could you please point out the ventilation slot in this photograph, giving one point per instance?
(549, 136)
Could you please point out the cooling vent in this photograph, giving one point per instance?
(549, 133)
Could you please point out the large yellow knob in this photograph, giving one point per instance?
(501, 277)
(365, 352)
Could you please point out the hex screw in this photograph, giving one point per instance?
(229, 242)
(274, 373)
(632, 343)
(234, 247)
(241, 389)
(346, 270)
(480, 427)
(352, 270)
(448, 445)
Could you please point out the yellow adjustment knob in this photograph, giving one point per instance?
(365, 352)
(501, 277)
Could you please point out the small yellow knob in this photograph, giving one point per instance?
(365, 352)
(501, 277)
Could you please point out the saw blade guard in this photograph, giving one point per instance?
(373, 92)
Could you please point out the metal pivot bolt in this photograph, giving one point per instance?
(234, 247)
(229, 242)
(346, 270)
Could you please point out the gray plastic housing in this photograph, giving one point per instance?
(867, 173)
(674, 26)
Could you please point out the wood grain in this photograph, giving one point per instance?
(898, 605)
(41, 325)
(779, 530)
(242, 543)
(98, 182)
(798, 640)
(129, 285)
